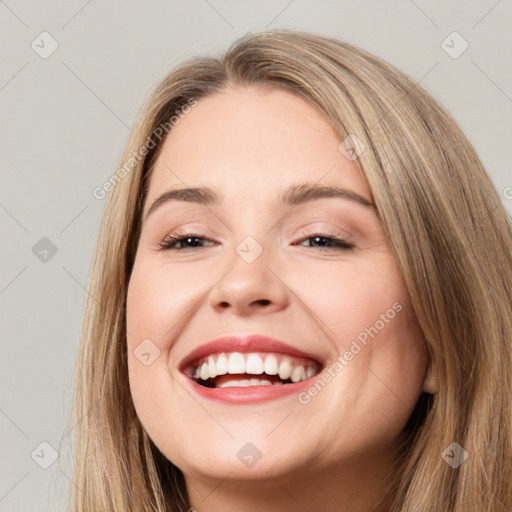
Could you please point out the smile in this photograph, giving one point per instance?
(239, 370)
(251, 368)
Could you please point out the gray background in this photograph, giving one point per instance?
(65, 120)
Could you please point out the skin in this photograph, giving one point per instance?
(332, 453)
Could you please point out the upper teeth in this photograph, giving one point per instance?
(255, 364)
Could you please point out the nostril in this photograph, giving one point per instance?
(262, 302)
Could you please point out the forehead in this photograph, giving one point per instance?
(255, 139)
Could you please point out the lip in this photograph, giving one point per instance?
(251, 394)
(252, 343)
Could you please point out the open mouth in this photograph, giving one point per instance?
(237, 369)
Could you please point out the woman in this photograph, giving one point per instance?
(301, 297)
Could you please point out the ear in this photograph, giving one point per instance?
(430, 384)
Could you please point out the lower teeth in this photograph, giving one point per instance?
(248, 383)
(240, 383)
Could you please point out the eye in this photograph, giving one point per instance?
(183, 242)
(326, 240)
(193, 241)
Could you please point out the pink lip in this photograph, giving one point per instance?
(250, 394)
(253, 343)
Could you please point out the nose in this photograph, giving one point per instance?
(248, 288)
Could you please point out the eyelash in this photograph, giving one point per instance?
(169, 241)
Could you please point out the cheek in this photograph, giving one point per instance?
(152, 310)
(149, 304)
(350, 297)
(368, 318)
(157, 299)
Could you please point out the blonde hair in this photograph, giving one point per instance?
(451, 239)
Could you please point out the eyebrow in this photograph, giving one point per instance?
(292, 196)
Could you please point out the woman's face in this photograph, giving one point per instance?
(273, 333)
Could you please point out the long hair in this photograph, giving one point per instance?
(447, 228)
